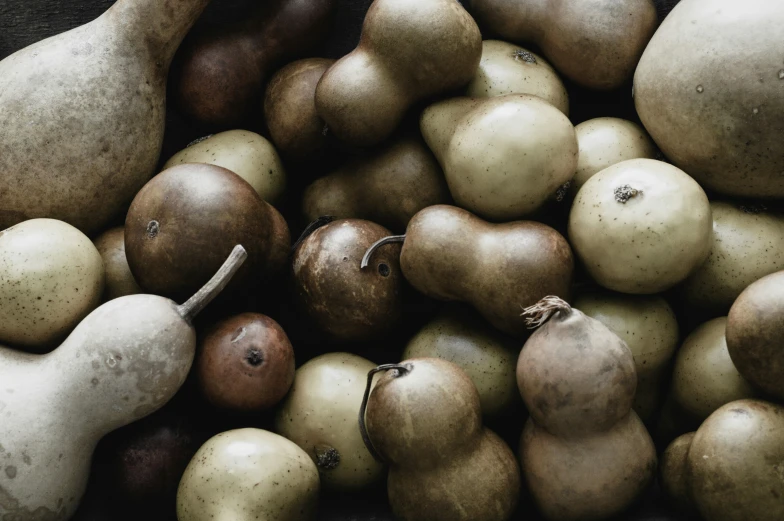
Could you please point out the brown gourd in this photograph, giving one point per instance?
(596, 43)
(409, 50)
(82, 113)
(387, 187)
(517, 264)
(585, 453)
(221, 71)
(124, 361)
(423, 417)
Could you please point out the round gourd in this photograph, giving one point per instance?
(641, 226)
(119, 279)
(51, 277)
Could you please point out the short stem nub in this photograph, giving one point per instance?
(209, 291)
(376, 245)
(402, 370)
(541, 312)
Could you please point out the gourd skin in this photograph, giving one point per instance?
(443, 465)
(122, 362)
(387, 188)
(119, 279)
(409, 50)
(450, 254)
(82, 114)
(596, 43)
(709, 91)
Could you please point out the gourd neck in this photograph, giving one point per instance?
(157, 25)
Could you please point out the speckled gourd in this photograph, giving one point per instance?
(122, 362)
(82, 113)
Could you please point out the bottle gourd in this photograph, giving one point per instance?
(122, 362)
(82, 113)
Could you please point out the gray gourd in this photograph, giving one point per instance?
(82, 113)
(122, 362)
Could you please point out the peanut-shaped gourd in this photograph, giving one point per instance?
(585, 454)
(125, 360)
(424, 418)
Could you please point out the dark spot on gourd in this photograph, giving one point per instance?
(153, 227)
(383, 270)
(327, 458)
(254, 357)
(10, 471)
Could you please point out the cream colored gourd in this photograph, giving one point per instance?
(747, 245)
(245, 153)
(410, 50)
(596, 43)
(424, 419)
(121, 363)
(704, 377)
(506, 68)
(709, 91)
(641, 226)
(603, 142)
(459, 335)
(319, 414)
(248, 475)
(503, 157)
(82, 113)
(51, 277)
(119, 279)
(585, 453)
(648, 326)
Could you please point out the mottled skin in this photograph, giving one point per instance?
(221, 72)
(755, 334)
(249, 475)
(124, 361)
(245, 363)
(595, 43)
(245, 153)
(320, 415)
(648, 326)
(450, 254)
(674, 476)
(82, 114)
(387, 187)
(585, 454)
(459, 335)
(344, 301)
(506, 68)
(747, 245)
(443, 464)
(736, 463)
(119, 279)
(709, 91)
(290, 110)
(704, 377)
(409, 50)
(51, 277)
(201, 212)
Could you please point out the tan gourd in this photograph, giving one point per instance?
(121, 363)
(424, 418)
(119, 279)
(82, 113)
(585, 453)
(503, 157)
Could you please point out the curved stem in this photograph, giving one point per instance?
(541, 312)
(402, 370)
(209, 291)
(376, 245)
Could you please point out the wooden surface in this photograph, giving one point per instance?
(23, 22)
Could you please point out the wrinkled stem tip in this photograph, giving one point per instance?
(625, 192)
(541, 312)
(376, 245)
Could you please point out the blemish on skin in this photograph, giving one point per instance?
(239, 335)
(10, 472)
(94, 382)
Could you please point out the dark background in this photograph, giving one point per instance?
(23, 22)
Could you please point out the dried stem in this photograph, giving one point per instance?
(209, 291)
(541, 312)
(376, 245)
(402, 370)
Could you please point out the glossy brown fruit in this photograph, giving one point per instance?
(245, 363)
(290, 109)
(222, 71)
(346, 302)
(183, 224)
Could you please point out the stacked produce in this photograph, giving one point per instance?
(605, 294)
